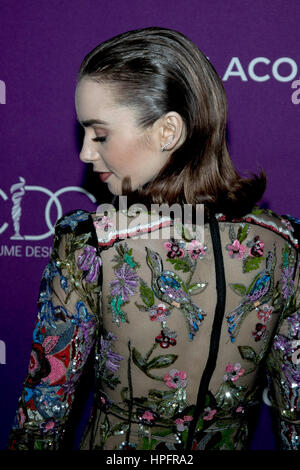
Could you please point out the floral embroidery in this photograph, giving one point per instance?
(264, 313)
(110, 359)
(236, 249)
(159, 313)
(175, 379)
(181, 423)
(90, 262)
(196, 249)
(259, 332)
(256, 247)
(158, 419)
(147, 417)
(166, 338)
(103, 223)
(126, 283)
(234, 372)
(174, 249)
(210, 414)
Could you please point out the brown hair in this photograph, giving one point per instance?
(157, 70)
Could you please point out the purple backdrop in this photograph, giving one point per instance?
(254, 47)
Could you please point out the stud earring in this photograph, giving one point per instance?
(166, 145)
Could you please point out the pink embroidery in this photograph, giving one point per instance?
(234, 372)
(236, 249)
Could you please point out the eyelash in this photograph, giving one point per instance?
(100, 139)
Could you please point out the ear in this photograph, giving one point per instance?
(171, 131)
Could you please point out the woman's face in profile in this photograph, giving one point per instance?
(113, 142)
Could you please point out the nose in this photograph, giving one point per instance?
(90, 150)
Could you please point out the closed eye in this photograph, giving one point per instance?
(99, 139)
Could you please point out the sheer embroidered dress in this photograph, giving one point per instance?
(182, 332)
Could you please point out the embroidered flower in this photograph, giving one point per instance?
(210, 414)
(287, 282)
(166, 338)
(103, 223)
(174, 249)
(240, 409)
(126, 283)
(256, 247)
(264, 313)
(110, 359)
(236, 249)
(175, 379)
(259, 332)
(159, 313)
(234, 372)
(147, 417)
(181, 424)
(196, 249)
(90, 262)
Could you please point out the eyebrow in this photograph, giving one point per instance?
(91, 122)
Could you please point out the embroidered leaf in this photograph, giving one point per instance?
(251, 263)
(257, 211)
(232, 234)
(141, 308)
(248, 354)
(239, 289)
(159, 362)
(138, 359)
(197, 288)
(149, 445)
(146, 294)
(180, 264)
(242, 232)
(117, 428)
(80, 241)
(38, 445)
(159, 395)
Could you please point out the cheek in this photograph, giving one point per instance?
(129, 155)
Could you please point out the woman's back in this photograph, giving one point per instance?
(154, 329)
(152, 288)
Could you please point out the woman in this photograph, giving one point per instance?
(184, 329)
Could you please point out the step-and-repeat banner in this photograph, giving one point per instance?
(254, 47)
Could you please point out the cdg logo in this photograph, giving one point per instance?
(19, 190)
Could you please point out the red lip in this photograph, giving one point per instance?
(104, 175)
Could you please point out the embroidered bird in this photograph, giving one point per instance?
(169, 287)
(259, 292)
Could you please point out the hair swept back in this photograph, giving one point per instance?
(157, 70)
